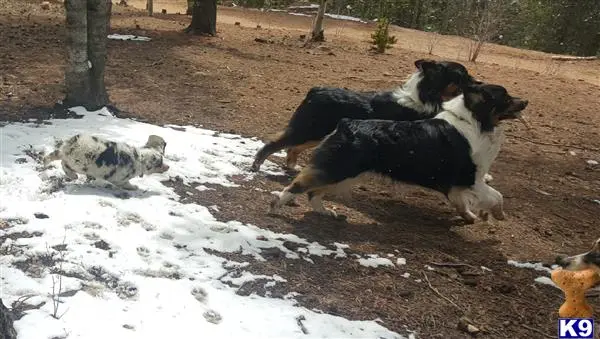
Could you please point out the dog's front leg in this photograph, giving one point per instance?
(458, 196)
(497, 203)
(316, 202)
(281, 199)
(126, 185)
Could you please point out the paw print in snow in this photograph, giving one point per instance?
(200, 294)
(143, 252)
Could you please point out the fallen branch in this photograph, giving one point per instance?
(553, 144)
(538, 331)
(438, 292)
(573, 58)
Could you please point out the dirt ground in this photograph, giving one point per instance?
(232, 83)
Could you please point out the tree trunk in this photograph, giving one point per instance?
(7, 331)
(416, 14)
(97, 17)
(150, 7)
(318, 34)
(76, 74)
(204, 18)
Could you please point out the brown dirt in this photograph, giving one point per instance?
(232, 83)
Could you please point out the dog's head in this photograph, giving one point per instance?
(154, 160)
(157, 143)
(442, 80)
(590, 259)
(491, 104)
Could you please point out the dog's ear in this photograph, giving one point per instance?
(157, 143)
(474, 95)
(425, 64)
(481, 104)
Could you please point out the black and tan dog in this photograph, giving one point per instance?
(421, 97)
(450, 153)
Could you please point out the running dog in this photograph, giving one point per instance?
(107, 160)
(450, 153)
(421, 97)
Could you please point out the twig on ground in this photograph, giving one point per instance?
(538, 331)
(438, 292)
(553, 144)
(449, 264)
(299, 320)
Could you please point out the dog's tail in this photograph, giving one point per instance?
(281, 141)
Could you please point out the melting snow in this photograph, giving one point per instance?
(128, 37)
(143, 264)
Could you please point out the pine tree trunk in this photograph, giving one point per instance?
(76, 74)
(97, 17)
(318, 32)
(204, 18)
(7, 331)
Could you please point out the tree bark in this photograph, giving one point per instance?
(108, 14)
(97, 17)
(318, 34)
(150, 7)
(76, 74)
(204, 18)
(7, 331)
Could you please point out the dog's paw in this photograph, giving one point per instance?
(499, 215)
(274, 206)
(328, 212)
(129, 187)
(488, 178)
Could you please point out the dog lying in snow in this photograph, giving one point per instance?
(114, 162)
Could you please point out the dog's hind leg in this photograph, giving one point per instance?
(459, 197)
(281, 142)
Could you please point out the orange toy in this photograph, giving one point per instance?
(574, 284)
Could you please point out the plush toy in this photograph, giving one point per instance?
(574, 284)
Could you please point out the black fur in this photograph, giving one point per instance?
(429, 153)
(323, 107)
(109, 156)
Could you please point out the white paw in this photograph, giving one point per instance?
(487, 178)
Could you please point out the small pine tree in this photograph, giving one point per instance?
(381, 38)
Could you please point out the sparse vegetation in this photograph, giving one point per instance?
(381, 38)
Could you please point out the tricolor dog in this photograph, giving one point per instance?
(421, 97)
(114, 162)
(589, 259)
(450, 153)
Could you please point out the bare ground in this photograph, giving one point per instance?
(232, 83)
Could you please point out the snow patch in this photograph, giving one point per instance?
(142, 264)
(128, 37)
